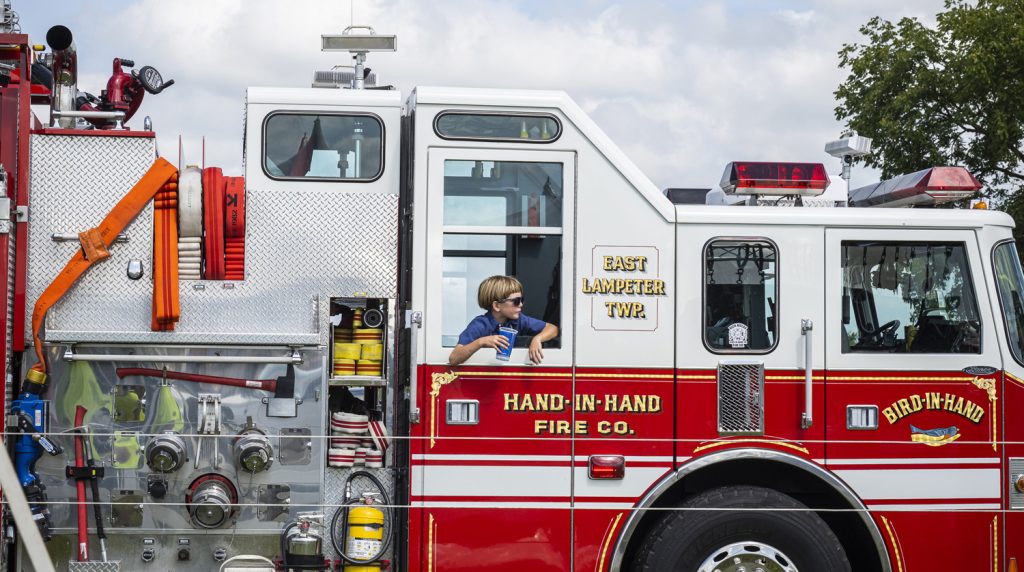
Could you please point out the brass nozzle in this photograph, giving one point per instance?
(35, 376)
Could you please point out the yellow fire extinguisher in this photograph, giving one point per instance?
(364, 538)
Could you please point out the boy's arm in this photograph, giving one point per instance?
(536, 350)
(463, 352)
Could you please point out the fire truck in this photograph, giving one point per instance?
(252, 372)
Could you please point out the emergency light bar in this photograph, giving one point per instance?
(929, 187)
(774, 179)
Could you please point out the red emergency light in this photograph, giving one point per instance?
(774, 179)
(607, 467)
(929, 187)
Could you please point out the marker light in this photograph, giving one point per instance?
(929, 187)
(607, 466)
(774, 179)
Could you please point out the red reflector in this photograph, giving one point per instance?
(607, 466)
(753, 178)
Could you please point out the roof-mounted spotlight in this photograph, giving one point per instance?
(358, 45)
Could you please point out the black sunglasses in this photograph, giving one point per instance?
(517, 301)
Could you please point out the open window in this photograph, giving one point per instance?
(514, 210)
(499, 213)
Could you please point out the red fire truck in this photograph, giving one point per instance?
(212, 372)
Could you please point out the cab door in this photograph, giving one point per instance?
(914, 390)
(491, 470)
(755, 308)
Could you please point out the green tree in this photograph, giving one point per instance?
(952, 94)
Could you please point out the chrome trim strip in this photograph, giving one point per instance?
(737, 454)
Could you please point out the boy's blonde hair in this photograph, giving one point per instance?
(496, 289)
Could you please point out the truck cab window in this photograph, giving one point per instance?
(501, 217)
(1010, 285)
(908, 297)
(322, 146)
(740, 296)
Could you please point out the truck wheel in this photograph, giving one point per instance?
(793, 539)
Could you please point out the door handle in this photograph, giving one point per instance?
(806, 327)
(413, 321)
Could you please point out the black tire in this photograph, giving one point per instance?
(685, 539)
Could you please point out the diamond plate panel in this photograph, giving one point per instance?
(302, 247)
(75, 181)
(740, 398)
(75, 566)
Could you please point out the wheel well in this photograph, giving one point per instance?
(789, 479)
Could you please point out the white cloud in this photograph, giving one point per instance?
(683, 88)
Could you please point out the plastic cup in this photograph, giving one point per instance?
(510, 335)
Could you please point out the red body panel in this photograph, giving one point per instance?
(512, 531)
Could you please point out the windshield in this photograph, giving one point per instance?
(1009, 283)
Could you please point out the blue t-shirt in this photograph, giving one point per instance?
(486, 325)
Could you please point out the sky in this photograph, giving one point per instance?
(683, 87)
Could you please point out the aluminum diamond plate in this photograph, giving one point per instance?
(74, 566)
(75, 181)
(302, 247)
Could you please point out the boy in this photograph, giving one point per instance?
(502, 296)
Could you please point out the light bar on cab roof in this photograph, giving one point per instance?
(774, 179)
(929, 187)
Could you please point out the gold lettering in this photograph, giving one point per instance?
(934, 400)
(585, 403)
(641, 263)
(608, 260)
(561, 427)
(977, 414)
(581, 427)
(949, 402)
(890, 414)
(904, 406)
(541, 402)
(659, 287)
(915, 402)
(541, 426)
(511, 402)
(604, 427)
(959, 408)
(610, 306)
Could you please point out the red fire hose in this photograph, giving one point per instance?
(261, 384)
(83, 514)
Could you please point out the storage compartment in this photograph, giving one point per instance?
(360, 341)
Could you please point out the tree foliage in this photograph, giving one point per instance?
(952, 94)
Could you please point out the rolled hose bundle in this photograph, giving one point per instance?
(166, 301)
(190, 223)
(234, 228)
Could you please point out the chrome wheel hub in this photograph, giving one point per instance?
(747, 557)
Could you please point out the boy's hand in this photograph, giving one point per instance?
(536, 351)
(496, 341)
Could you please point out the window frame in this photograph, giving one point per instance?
(874, 308)
(704, 294)
(263, 146)
(434, 253)
(441, 114)
(1005, 337)
(907, 362)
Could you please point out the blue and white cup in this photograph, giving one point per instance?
(510, 335)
